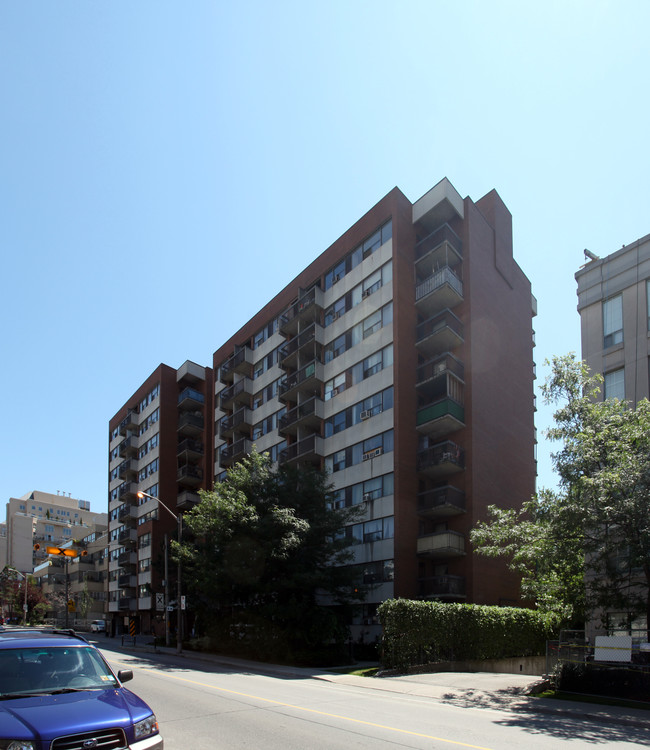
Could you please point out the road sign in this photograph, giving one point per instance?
(72, 607)
(160, 602)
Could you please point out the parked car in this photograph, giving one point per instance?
(54, 685)
(98, 626)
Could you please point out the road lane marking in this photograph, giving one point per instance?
(316, 711)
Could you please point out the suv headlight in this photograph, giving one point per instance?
(143, 728)
(17, 745)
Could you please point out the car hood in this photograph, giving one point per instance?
(50, 716)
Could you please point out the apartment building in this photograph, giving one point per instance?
(160, 444)
(400, 361)
(614, 306)
(44, 518)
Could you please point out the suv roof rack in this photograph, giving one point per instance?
(46, 631)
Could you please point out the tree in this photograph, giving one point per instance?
(266, 552)
(585, 547)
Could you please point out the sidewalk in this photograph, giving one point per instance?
(505, 692)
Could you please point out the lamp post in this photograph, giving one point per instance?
(179, 620)
(24, 576)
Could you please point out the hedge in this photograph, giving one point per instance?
(419, 632)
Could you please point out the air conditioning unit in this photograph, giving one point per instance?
(366, 293)
(336, 315)
(367, 497)
(372, 454)
(336, 278)
(365, 414)
(335, 391)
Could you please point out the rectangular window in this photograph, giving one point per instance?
(615, 384)
(613, 321)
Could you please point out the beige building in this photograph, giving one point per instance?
(44, 518)
(614, 307)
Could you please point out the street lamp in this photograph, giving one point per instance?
(24, 576)
(179, 621)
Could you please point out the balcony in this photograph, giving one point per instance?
(128, 558)
(129, 422)
(309, 414)
(128, 490)
(440, 418)
(439, 334)
(241, 361)
(237, 394)
(307, 343)
(189, 450)
(442, 247)
(442, 587)
(240, 421)
(128, 469)
(190, 399)
(187, 499)
(128, 447)
(442, 545)
(127, 581)
(309, 450)
(431, 373)
(128, 536)
(124, 603)
(189, 475)
(441, 460)
(307, 309)
(442, 290)
(441, 502)
(235, 452)
(190, 424)
(127, 513)
(306, 380)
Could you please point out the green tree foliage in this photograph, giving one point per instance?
(586, 546)
(264, 552)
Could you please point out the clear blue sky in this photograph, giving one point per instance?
(147, 147)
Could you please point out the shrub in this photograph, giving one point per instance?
(418, 632)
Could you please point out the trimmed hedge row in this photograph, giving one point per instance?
(419, 632)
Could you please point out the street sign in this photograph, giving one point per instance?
(72, 606)
(160, 602)
(182, 602)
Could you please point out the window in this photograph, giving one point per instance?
(613, 321)
(615, 384)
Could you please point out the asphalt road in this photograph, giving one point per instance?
(205, 706)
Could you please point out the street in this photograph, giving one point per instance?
(205, 705)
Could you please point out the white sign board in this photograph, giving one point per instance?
(613, 648)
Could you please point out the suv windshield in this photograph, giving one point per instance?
(50, 669)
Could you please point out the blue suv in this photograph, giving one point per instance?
(57, 692)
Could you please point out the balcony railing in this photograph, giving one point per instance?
(190, 448)
(442, 544)
(190, 424)
(441, 242)
(440, 333)
(307, 414)
(438, 367)
(309, 450)
(240, 419)
(442, 587)
(189, 475)
(307, 377)
(441, 502)
(235, 452)
(441, 290)
(440, 417)
(238, 393)
(189, 398)
(240, 362)
(308, 308)
(307, 341)
(441, 459)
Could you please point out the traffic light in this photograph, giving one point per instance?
(37, 547)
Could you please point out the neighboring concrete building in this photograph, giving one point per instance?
(42, 517)
(614, 306)
(79, 582)
(160, 443)
(401, 361)
(613, 294)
